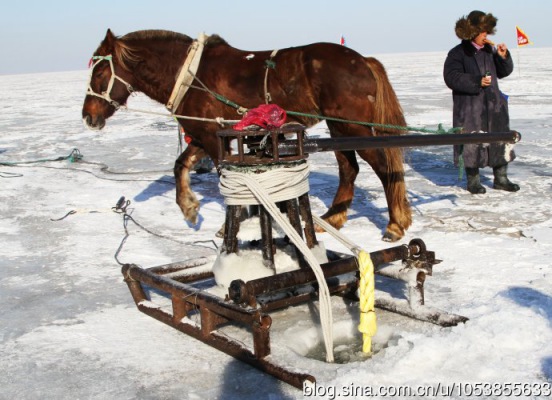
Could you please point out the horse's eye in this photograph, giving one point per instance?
(98, 82)
(100, 73)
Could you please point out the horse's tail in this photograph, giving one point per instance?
(388, 110)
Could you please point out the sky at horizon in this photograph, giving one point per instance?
(38, 36)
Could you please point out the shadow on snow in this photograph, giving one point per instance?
(323, 186)
(539, 303)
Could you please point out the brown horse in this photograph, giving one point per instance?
(322, 79)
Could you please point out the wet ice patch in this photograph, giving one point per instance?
(309, 342)
(349, 349)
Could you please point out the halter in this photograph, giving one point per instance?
(106, 95)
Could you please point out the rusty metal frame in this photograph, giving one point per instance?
(242, 306)
(214, 312)
(248, 303)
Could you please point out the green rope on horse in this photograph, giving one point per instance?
(439, 130)
(108, 58)
(241, 110)
(74, 156)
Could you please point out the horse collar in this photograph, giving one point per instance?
(187, 73)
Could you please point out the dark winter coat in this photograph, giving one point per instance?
(478, 109)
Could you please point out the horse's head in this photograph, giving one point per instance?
(110, 81)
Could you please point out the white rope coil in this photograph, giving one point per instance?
(249, 187)
(280, 183)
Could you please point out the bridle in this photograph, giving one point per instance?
(107, 94)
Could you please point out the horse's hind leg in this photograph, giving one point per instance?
(185, 197)
(348, 171)
(388, 166)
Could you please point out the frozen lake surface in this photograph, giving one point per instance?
(69, 328)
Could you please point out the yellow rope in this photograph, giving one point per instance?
(368, 325)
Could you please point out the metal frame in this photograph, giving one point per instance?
(246, 306)
(248, 303)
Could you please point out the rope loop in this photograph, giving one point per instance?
(74, 156)
(262, 143)
(247, 186)
(279, 182)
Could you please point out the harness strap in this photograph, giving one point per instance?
(269, 65)
(187, 73)
(107, 94)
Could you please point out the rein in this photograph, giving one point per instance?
(107, 94)
(188, 74)
(269, 64)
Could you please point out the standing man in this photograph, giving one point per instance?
(472, 70)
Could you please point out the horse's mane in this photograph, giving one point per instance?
(126, 52)
(157, 34)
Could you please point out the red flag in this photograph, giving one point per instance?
(522, 39)
(342, 41)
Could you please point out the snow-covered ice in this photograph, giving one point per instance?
(69, 328)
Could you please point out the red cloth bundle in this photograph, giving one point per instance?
(265, 116)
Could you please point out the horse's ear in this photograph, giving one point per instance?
(109, 38)
(107, 46)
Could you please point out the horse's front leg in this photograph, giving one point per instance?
(185, 197)
(388, 166)
(348, 171)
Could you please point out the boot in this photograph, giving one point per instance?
(474, 184)
(501, 180)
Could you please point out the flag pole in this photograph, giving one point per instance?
(518, 56)
(519, 62)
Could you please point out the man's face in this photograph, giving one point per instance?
(480, 39)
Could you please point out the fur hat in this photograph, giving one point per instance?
(467, 28)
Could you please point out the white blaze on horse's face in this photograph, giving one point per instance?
(100, 85)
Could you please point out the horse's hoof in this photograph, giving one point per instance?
(336, 220)
(318, 229)
(191, 215)
(220, 233)
(390, 237)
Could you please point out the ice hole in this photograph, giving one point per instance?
(347, 342)
(349, 349)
